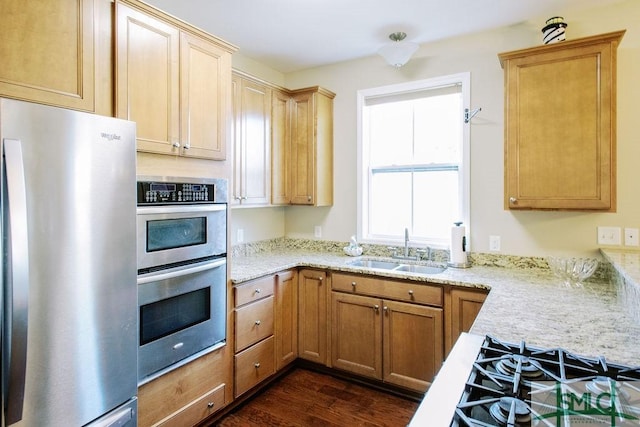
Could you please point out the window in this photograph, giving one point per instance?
(413, 161)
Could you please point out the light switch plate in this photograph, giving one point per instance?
(609, 236)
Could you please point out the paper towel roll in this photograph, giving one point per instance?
(458, 252)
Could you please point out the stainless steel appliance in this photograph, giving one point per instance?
(68, 272)
(489, 382)
(182, 280)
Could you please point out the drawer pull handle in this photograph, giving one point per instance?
(256, 365)
(258, 322)
(411, 292)
(210, 405)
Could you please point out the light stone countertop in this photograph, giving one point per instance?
(523, 303)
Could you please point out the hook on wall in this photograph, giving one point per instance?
(469, 114)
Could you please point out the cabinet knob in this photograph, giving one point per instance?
(320, 278)
(376, 307)
(513, 200)
(186, 146)
(210, 405)
(308, 198)
(257, 291)
(256, 365)
(258, 322)
(353, 284)
(176, 144)
(411, 292)
(385, 309)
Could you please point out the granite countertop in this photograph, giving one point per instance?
(523, 303)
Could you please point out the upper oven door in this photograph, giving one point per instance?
(169, 235)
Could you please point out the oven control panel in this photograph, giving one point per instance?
(152, 193)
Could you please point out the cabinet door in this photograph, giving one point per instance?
(205, 92)
(252, 139)
(286, 328)
(413, 344)
(147, 79)
(302, 149)
(280, 148)
(312, 315)
(356, 334)
(47, 51)
(560, 126)
(463, 310)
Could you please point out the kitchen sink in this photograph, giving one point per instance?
(422, 269)
(372, 263)
(397, 266)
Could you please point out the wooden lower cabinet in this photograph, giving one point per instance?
(286, 318)
(463, 306)
(313, 297)
(188, 394)
(396, 342)
(254, 365)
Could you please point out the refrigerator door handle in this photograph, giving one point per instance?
(18, 277)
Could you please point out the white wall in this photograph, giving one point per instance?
(532, 233)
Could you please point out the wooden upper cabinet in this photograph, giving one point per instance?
(280, 147)
(174, 82)
(252, 142)
(560, 125)
(47, 52)
(312, 147)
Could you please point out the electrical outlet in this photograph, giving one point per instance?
(631, 237)
(317, 231)
(240, 235)
(494, 243)
(609, 236)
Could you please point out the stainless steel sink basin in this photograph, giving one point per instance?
(397, 266)
(372, 263)
(421, 269)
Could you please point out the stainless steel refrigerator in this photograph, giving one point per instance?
(69, 297)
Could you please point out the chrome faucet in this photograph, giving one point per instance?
(406, 242)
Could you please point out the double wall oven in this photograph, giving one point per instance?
(182, 257)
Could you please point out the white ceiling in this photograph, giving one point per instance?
(291, 35)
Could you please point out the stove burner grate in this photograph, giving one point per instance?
(511, 411)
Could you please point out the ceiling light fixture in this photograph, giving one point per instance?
(399, 51)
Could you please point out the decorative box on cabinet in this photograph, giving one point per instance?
(560, 125)
(57, 53)
(252, 141)
(174, 81)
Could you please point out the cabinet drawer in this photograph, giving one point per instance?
(197, 410)
(253, 322)
(253, 290)
(414, 292)
(254, 365)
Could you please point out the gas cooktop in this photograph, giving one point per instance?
(515, 384)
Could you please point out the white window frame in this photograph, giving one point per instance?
(464, 79)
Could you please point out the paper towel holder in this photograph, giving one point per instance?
(466, 263)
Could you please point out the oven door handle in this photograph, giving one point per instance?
(143, 210)
(182, 272)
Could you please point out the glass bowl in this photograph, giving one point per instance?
(572, 271)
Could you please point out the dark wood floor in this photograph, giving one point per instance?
(306, 398)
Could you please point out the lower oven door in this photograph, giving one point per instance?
(182, 311)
